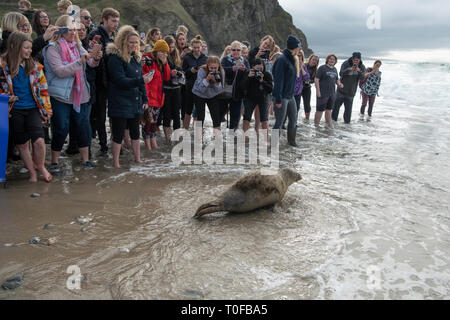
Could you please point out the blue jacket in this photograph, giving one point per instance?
(126, 87)
(60, 88)
(284, 76)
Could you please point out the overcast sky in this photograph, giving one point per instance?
(419, 27)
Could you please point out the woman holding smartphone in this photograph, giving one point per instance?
(65, 68)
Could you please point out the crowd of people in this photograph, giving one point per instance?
(75, 75)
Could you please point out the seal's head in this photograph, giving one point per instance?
(290, 176)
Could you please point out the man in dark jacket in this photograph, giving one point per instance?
(104, 34)
(351, 72)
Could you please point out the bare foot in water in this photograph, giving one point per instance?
(33, 176)
(47, 176)
(116, 165)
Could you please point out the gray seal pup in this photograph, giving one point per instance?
(252, 191)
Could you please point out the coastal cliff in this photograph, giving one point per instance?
(218, 21)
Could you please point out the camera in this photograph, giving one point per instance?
(216, 75)
(181, 78)
(258, 74)
(148, 61)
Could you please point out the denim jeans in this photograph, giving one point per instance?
(289, 109)
(61, 122)
(348, 104)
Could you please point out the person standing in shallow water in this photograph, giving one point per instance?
(352, 71)
(127, 98)
(28, 108)
(325, 81)
(312, 65)
(285, 71)
(369, 89)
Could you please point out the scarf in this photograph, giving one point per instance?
(71, 54)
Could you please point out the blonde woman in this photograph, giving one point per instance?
(226, 52)
(127, 97)
(285, 72)
(65, 68)
(11, 22)
(63, 5)
(235, 66)
(264, 50)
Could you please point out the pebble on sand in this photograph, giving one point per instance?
(34, 240)
(13, 282)
(51, 241)
(124, 250)
(35, 195)
(48, 226)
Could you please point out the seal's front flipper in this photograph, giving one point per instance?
(209, 207)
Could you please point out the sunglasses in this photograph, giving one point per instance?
(235, 49)
(21, 26)
(87, 18)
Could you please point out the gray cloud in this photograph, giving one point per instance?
(340, 26)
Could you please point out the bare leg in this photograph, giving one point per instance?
(136, 146)
(186, 121)
(167, 134)
(116, 153)
(39, 158)
(148, 146)
(55, 156)
(265, 126)
(153, 142)
(257, 119)
(307, 114)
(328, 117)
(24, 150)
(84, 152)
(318, 117)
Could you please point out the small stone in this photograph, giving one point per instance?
(51, 241)
(124, 250)
(76, 179)
(48, 226)
(82, 220)
(35, 240)
(13, 282)
(9, 244)
(35, 195)
(84, 229)
(90, 214)
(73, 222)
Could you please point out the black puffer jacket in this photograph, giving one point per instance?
(126, 87)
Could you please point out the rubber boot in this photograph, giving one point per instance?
(291, 135)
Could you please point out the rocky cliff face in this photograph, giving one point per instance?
(218, 21)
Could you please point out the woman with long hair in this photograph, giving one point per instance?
(28, 109)
(11, 22)
(208, 85)
(153, 35)
(369, 88)
(191, 64)
(312, 64)
(65, 68)
(326, 79)
(127, 98)
(172, 89)
(160, 69)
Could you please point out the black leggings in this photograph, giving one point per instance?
(120, 124)
(171, 109)
(306, 95)
(189, 102)
(214, 110)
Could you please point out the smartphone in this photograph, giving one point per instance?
(151, 72)
(239, 63)
(62, 30)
